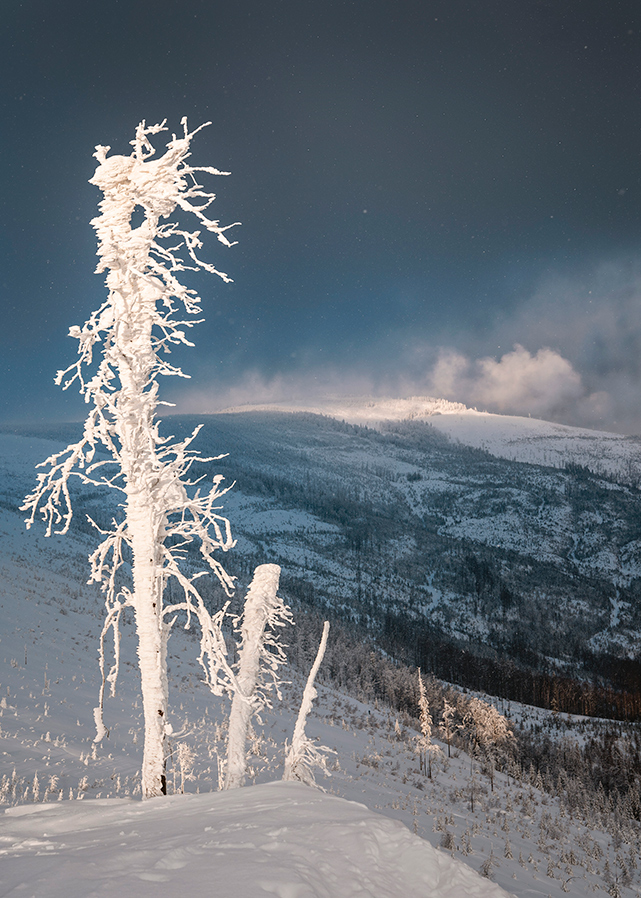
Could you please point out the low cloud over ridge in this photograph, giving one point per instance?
(574, 358)
(519, 383)
(541, 384)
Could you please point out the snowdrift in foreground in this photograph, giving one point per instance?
(281, 839)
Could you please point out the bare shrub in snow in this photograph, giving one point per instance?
(147, 313)
(448, 841)
(186, 757)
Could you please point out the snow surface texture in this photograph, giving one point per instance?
(505, 436)
(281, 839)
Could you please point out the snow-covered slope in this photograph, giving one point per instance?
(506, 436)
(403, 519)
(74, 827)
(281, 839)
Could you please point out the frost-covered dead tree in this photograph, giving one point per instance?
(487, 732)
(303, 754)
(425, 747)
(260, 655)
(148, 311)
(446, 729)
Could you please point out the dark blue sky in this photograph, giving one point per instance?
(422, 186)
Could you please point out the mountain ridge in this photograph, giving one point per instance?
(514, 437)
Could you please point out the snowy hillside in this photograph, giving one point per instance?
(424, 542)
(74, 827)
(404, 521)
(506, 436)
(274, 839)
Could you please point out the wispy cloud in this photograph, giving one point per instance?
(519, 382)
(255, 388)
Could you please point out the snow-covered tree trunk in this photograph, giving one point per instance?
(137, 328)
(152, 635)
(303, 755)
(263, 611)
(134, 304)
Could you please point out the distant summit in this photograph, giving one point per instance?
(512, 437)
(365, 410)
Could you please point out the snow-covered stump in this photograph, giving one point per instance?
(263, 611)
(303, 756)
